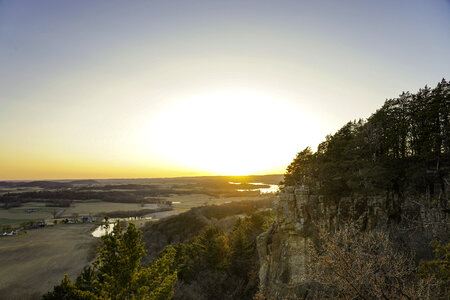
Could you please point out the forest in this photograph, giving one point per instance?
(403, 148)
(188, 259)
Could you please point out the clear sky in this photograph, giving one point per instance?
(102, 89)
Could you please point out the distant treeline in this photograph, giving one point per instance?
(130, 186)
(132, 213)
(404, 147)
(63, 196)
(45, 184)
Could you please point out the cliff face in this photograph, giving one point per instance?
(283, 248)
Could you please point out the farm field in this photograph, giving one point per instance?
(94, 207)
(37, 211)
(33, 263)
(17, 215)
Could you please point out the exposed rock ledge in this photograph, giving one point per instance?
(282, 249)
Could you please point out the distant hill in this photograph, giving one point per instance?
(84, 181)
(45, 184)
(41, 184)
(8, 184)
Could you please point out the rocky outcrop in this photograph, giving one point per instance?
(283, 248)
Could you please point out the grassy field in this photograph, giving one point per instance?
(17, 215)
(31, 264)
(84, 208)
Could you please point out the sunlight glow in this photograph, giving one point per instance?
(234, 132)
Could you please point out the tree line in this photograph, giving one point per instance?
(217, 265)
(404, 147)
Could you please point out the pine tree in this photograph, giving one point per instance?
(117, 272)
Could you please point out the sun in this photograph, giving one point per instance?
(226, 133)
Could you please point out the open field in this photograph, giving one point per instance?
(85, 208)
(32, 263)
(17, 215)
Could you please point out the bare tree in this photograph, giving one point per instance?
(75, 217)
(54, 213)
(350, 264)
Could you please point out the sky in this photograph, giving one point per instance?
(132, 89)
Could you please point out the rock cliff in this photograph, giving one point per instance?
(283, 253)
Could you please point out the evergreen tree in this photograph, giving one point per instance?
(404, 147)
(117, 272)
(68, 291)
(214, 248)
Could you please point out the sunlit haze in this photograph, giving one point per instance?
(107, 89)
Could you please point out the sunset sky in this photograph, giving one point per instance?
(120, 89)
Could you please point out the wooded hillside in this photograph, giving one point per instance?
(404, 147)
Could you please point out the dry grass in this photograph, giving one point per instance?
(17, 215)
(31, 264)
(86, 208)
(21, 212)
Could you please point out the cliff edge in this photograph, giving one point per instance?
(412, 221)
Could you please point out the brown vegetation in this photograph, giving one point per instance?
(350, 264)
(34, 262)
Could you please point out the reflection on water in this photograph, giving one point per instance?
(272, 189)
(101, 230)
